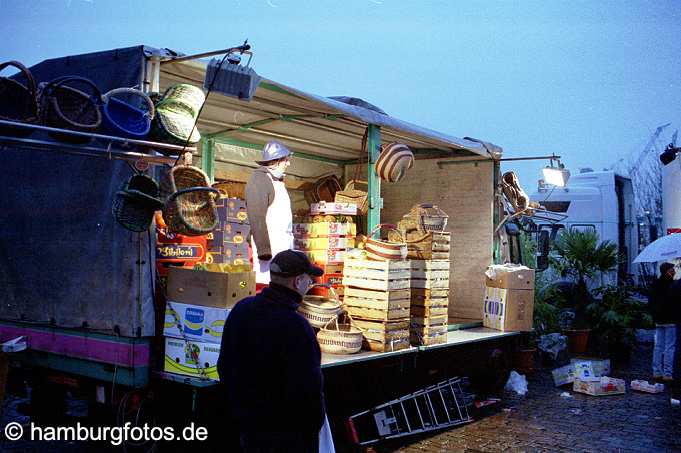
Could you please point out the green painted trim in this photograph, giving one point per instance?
(278, 89)
(244, 144)
(76, 332)
(132, 377)
(374, 191)
(463, 325)
(208, 158)
(496, 244)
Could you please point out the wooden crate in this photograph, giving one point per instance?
(429, 293)
(427, 340)
(429, 274)
(377, 299)
(436, 321)
(377, 275)
(378, 314)
(435, 246)
(428, 311)
(394, 345)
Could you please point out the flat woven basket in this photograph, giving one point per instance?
(17, 102)
(189, 201)
(355, 196)
(319, 310)
(343, 339)
(381, 250)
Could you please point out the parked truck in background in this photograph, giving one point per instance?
(599, 201)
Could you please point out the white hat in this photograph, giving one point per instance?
(273, 150)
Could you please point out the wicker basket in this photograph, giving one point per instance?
(351, 195)
(68, 108)
(17, 102)
(343, 339)
(135, 204)
(380, 250)
(427, 218)
(176, 116)
(126, 120)
(189, 201)
(319, 310)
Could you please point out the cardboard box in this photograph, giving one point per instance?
(563, 375)
(604, 386)
(176, 250)
(331, 256)
(645, 386)
(197, 323)
(510, 277)
(324, 229)
(508, 310)
(326, 207)
(330, 242)
(232, 210)
(209, 289)
(235, 233)
(600, 367)
(180, 360)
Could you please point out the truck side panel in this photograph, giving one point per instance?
(465, 192)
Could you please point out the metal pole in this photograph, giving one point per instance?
(375, 200)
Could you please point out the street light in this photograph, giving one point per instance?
(558, 175)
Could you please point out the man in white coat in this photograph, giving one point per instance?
(269, 209)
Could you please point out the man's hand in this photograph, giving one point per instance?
(264, 257)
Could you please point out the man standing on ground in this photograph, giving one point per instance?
(664, 307)
(270, 363)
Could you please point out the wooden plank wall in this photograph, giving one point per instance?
(465, 192)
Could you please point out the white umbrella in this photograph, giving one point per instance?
(666, 248)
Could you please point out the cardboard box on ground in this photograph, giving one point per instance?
(509, 298)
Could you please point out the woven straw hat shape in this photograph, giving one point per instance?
(395, 159)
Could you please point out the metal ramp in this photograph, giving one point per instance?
(435, 407)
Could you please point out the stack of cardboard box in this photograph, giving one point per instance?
(197, 307)
(509, 298)
(324, 236)
(429, 301)
(228, 243)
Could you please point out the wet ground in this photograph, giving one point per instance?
(541, 421)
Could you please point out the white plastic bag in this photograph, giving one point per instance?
(325, 438)
(517, 383)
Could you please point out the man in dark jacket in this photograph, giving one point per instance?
(664, 307)
(270, 363)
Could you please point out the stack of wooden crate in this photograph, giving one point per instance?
(431, 246)
(429, 301)
(377, 296)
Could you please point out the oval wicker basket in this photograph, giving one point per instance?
(356, 196)
(189, 201)
(124, 119)
(344, 339)
(18, 102)
(320, 310)
(65, 107)
(380, 250)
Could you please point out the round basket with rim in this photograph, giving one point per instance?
(340, 338)
(320, 310)
(381, 250)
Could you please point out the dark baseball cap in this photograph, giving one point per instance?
(291, 263)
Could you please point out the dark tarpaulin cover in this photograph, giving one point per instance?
(63, 258)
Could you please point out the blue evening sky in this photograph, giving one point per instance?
(588, 80)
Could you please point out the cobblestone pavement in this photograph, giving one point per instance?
(543, 421)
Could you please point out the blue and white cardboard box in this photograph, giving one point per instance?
(198, 323)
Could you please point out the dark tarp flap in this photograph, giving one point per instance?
(65, 259)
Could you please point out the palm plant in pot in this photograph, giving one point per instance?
(581, 256)
(615, 317)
